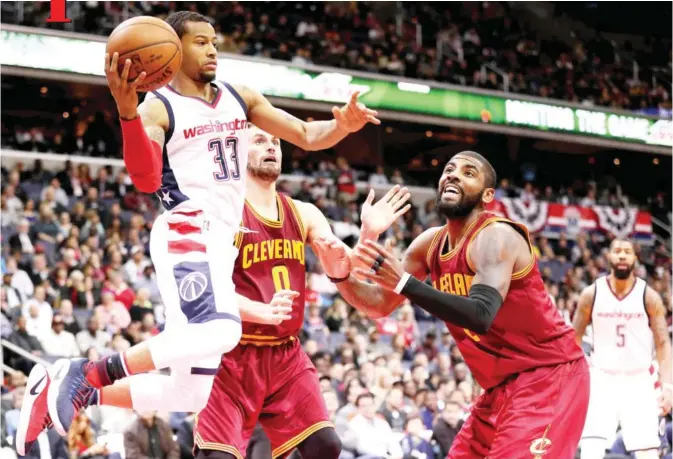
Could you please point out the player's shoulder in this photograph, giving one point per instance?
(501, 230)
(421, 247)
(153, 110)
(588, 294)
(246, 93)
(496, 241)
(425, 239)
(651, 298)
(307, 210)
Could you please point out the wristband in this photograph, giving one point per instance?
(337, 280)
(402, 283)
(129, 119)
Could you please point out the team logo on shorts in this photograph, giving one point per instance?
(193, 286)
(538, 447)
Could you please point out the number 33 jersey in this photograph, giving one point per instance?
(205, 153)
(270, 259)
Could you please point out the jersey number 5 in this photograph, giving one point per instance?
(281, 278)
(222, 149)
(621, 337)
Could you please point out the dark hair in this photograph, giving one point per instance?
(491, 178)
(622, 239)
(349, 387)
(363, 396)
(179, 19)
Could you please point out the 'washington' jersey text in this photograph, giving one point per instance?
(205, 153)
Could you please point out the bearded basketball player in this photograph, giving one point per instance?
(488, 290)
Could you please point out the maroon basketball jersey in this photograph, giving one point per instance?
(528, 331)
(271, 258)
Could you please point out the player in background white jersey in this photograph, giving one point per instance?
(629, 326)
(187, 142)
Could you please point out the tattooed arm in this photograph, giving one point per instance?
(314, 135)
(662, 341)
(372, 299)
(582, 317)
(495, 252)
(143, 145)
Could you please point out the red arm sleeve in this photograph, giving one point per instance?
(142, 156)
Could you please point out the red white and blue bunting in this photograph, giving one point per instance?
(552, 218)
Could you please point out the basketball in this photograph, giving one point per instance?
(153, 47)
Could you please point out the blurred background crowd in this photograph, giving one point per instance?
(446, 41)
(77, 279)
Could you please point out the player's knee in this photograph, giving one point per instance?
(195, 391)
(202, 392)
(323, 444)
(224, 334)
(218, 335)
(212, 454)
(593, 448)
(647, 454)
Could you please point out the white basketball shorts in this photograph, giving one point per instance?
(626, 400)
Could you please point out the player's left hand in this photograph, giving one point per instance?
(665, 400)
(389, 271)
(354, 115)
(333, 257)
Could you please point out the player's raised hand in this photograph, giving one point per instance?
(377, 218)
(354, 115)
(333, 257)
(125, 92)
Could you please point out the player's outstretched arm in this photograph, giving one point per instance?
(582, 317)
(314, 135)
(662, 342)
(373, 299)
(143, 128)
(335, 258)
(493, 253)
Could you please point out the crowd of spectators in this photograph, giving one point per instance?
(77, 281)
(448, 42)
(96, 137)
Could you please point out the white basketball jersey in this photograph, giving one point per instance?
(205, 153)
(623, 341)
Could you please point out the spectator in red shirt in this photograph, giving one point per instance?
(428, 346)
(345, 181)
(122, 292)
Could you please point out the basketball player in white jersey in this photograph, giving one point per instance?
(629, 326)
(188, 143)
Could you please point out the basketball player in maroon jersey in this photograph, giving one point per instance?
(488, 290)
(268, 378)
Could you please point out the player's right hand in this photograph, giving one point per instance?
(333, 257)
(124, 92)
